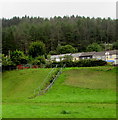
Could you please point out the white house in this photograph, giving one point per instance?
(109, 56)
(58, 58)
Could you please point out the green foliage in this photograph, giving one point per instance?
(53, 76)
(6, 61)
(65, 112)
(53, 52)
(68, 57)
(106, 46)
(18, 57)
(38, 60)
(115, 45)
(48, 64)
(35, 62)
(66, 49)
(49, 57)
(36, 49)
(42, 59)
(18, 33)
(90, 63)
(94, 47)
(80, 63)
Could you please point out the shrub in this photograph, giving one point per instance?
(66, 49)
(115, 45)
(6, 61)
(42, 59)
(38, 60)
(53, 52)
(79, 63)
(7, 64)
(48, 64)
(90, 63)
(94, 47)
(36, 49)
(18, 57)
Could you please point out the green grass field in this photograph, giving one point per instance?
(86, 92)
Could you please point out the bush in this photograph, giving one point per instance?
(48, 64)
(18, 57)
(42, 59)
(115, 45)
(7, 64)
(90, 63)
(6, 61)
(38, 60)
(80, 63)
(94, 47)
(36, 49)
(53, 52)
(66, 49)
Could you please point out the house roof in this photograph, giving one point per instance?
(87, 54)
(58, 56)
(100, 53)
(76, 54)
(111, 52)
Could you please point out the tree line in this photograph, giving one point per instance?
(79, 32)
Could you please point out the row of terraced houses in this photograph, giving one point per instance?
(109, 56)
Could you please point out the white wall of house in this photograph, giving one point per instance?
(57, 59)
(75, 58)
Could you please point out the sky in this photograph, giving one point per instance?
(103, 9)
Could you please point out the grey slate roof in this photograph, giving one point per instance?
(100, 53)
(58, 56)
(87, 54)
(113, 52)
(76, 54)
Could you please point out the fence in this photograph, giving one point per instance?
(36, 91)
(50, 85)
(40, 92)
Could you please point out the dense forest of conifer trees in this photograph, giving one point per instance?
(18, 33)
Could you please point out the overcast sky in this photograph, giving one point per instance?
(51, 9)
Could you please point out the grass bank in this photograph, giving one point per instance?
(86, 92)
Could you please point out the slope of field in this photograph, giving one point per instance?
(21, 84)
(83, 85)
(88, 92)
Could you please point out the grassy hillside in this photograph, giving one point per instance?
(77, 93)
(83, 85)
(21, 84)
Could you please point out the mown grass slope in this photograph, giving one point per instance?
(20, 84)
(87, 92)
(94, 84)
